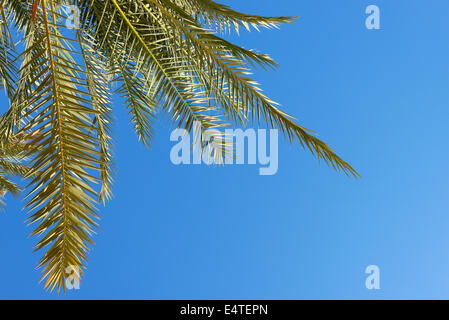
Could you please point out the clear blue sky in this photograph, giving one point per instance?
(379, 97)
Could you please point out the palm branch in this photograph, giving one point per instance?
(162, 56)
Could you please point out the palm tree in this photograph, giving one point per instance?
(162, 56)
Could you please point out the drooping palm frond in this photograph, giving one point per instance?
(59, 112)
(163, 57)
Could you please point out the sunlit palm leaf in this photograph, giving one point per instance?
(60, 115)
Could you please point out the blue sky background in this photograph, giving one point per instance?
(379, 97)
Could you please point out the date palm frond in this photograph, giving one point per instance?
(59, 112)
